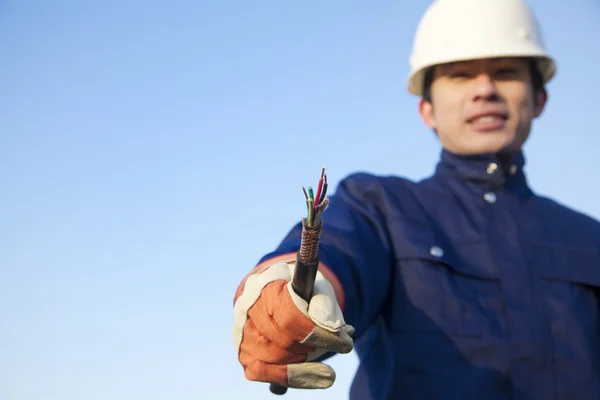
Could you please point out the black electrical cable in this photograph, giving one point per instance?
(307, 257)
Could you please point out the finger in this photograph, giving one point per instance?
(259, 371)
(310, 376)
(262, 348)
(298, 376)
(277, 316)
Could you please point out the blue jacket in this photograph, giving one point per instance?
(465, 285)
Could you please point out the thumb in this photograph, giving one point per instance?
(337, 342)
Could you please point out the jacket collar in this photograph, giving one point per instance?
(492, 169)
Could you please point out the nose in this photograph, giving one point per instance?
(484, 88)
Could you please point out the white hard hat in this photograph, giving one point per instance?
(457, 30)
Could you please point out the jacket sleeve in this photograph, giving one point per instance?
(354, 246)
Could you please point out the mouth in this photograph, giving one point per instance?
(488, 122)
(488, 117)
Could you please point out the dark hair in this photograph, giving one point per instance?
(536, 80)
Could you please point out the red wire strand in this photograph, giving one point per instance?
(319, 188)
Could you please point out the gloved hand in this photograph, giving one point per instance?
(276, 333)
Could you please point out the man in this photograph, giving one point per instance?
(464, 285)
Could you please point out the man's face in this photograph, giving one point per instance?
(482, 106)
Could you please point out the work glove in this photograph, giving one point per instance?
(277, 334)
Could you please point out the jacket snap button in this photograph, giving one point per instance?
(490, 197)
(436, 251)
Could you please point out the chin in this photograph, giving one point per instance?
(486, 146)
(493, 143)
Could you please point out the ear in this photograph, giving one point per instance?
(426, 112)
(541, 98)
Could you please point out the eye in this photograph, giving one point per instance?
(506, 71)
(459, 74)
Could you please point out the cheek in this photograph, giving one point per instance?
(525, 111)
(521, 102)
(448, 112)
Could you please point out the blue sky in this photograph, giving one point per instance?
(151, 152)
